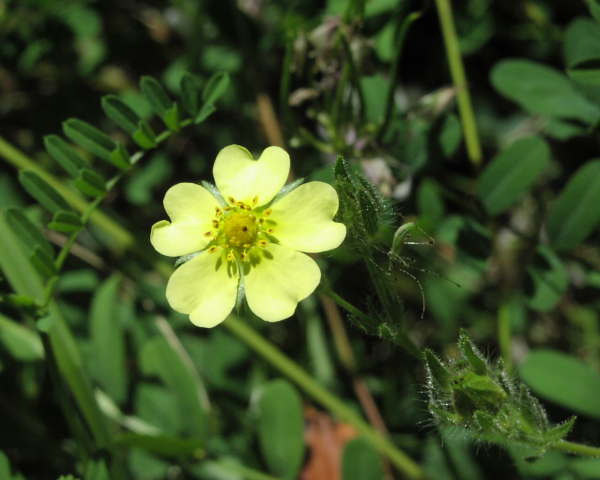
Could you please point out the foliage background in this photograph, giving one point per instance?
(515, 259)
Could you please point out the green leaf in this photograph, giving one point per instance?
(65, 221)
(90, 183)
(96, 470)
(215, 88)
(582, 51)
(155, 94)
(594, 7)
(21, 342)
(360, 461)
(563, 379)
(164, 445)
(542, 90)
(45, 195)
(160, 358)
(120, 158)
(120, 113)
(64, 154)
(90, 138)
(550, 280)
(575, 213)
(107, 342)
(171, 118)
(191, 88)
(144, 136)
(512, 173)
(586, 468)
(280, 428)
(206, 110)
(29, 235)
(42, 263)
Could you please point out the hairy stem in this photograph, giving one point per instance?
(577, 448)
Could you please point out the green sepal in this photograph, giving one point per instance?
(90, 183)
(64, 154)
(65, 221)
(39, 189)
(89, 138)
(144, 136)
(119, 157)
(471, 354)
(560, 431)
(437, 369)
(120, 113)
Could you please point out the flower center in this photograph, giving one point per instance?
(240, 229)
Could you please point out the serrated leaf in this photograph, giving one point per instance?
(120, 113)
(581, 49)
(89, 138)
(575, 213)
(46, 195)
(65, 221)
(191, 88)
(90, 183)
(512, 173)
(64, 154)
(542, 90)
(28, 233)
(155, 94)
(280, 428)
(215, 87)
(21, 342)
(471, 354)
(107, 342)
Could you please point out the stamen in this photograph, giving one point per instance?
(230, 256)
(208, 234)
(212, 249)
(231, 200)
(269, 230)
(262, 243)
(267, 212)
(215, 223)
(255, 200)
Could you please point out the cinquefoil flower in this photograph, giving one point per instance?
(248, 238)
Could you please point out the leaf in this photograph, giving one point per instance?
(550, 280)
(159, 357)
(575, 213)
(96, 470)
(361, 461)
(90, 138)
(120, 113)
(64, 154)
(155, 94)
(164, 445)
(65, 221)
(42, 263)
(144, 136)
(90, 183)
(594, 8)
(215, 88)
(191, 88)
(206, 110)
(21, 342)
(28, 233)
(512, 173)
(280, 428)
(563, 379)
(120, 158)
(581, 49)
(107, 342)
(45, 195)
(542, 90)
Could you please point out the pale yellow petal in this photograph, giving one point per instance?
(281, 279)
(304, 218)
(191, 209)
(239, 176)
(204, 288)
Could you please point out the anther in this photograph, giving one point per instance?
(208, 234)
(230, 257)
(262, 243)
(212, 249)
(231, 199)
(255, 200)
(267, 212)
(215, 223)
(269, 230)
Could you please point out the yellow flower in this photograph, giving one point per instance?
(248, 240)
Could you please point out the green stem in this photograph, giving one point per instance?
(459, 79)
(504, 335)
(577, 448)
(305, 381)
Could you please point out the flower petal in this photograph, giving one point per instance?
(281, 279)
(304, 218)
(191, 209)
(239, 176)
(205, 288)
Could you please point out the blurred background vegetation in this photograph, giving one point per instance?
(509, 231)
